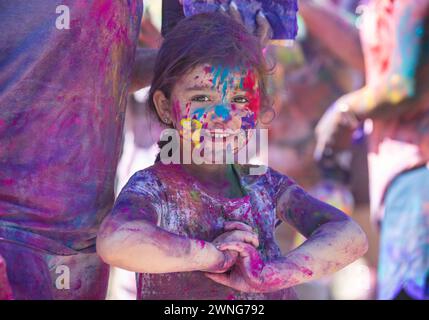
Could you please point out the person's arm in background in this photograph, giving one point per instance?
(339, 35)
(142, 71)
(402, 82)
(149, 41)
(400, 88)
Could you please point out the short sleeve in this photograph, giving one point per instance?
(143, 197)
(279, 183)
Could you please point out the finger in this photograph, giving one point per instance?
(237, 225)
(223, 9)
(231, 254)
(263, 30)
(246, 236)
(318, 150)
(234, 12)
(240, 247)
(221, 278)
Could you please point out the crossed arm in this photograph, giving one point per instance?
(130, 238)
(333, 241)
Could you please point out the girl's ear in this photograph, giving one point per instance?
(163, 108)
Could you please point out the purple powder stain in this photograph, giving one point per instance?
(281, 14)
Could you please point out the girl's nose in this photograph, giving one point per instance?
(221, 112)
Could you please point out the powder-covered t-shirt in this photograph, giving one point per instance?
(64, 73)
(177, 202)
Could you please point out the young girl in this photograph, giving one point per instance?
(206, 231)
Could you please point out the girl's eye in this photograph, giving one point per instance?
(200, 98)
(240, 99)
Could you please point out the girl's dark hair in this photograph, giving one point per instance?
(212, 38)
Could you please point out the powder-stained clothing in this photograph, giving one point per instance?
(404, 255)
(179, 203)
(64, 73)
(395, 143)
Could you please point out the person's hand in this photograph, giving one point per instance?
(236, 231)
(326, 130)
(219, 261)
(333, 125)
(263, 28)
(247, 274)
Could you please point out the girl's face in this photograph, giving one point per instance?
(218, 104)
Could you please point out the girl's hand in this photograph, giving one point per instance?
(247, 275)
(235, 232)
(219, 261)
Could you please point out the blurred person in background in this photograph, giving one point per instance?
(325, 63)
(394, 102)
(65, 73)
(139, 150)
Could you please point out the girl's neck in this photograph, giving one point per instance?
(218, 179)
(210, 172)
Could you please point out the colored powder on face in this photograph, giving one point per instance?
(215, 71)
(208, 69)
(248, 122)
(222, 111)
(198, 113)
(176, 110)
(224, 88)
(224, 78)
(188, 107)
(250, 85)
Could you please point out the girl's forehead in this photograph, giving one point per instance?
(216, 73)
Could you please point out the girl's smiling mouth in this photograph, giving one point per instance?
(217, 134)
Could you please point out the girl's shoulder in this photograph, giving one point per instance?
(261, 176)
(255, 173)
(159, 175)
(146, 179)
